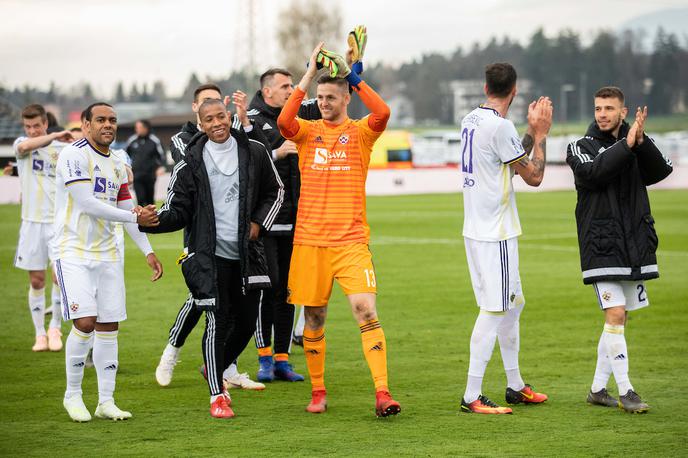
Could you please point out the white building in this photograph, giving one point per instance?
(468, 94)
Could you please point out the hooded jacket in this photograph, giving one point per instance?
(616, 233)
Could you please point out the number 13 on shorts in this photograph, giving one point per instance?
(370, 278)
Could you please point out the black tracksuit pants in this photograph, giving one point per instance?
(186, 321)
(229, 328)
(274, 310)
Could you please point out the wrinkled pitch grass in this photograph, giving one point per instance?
(427, 309)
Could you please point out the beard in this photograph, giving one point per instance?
(613, 124)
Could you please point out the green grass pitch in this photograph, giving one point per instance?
(427, 309)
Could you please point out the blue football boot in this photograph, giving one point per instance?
(266, 369)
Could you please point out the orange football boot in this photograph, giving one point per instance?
(483, 405)
(525, 396)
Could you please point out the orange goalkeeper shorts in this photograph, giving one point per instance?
(313, 271)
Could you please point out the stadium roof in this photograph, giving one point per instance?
(10, 128)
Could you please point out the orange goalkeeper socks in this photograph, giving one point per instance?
(375, 351)
(314, 348)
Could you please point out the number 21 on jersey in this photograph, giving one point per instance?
(467, 160)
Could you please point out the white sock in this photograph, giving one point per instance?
(231, 371)
(56, 296)
(300, 323)
(617, 352)
(509, 343)
(105, 361)
(37, 308)
(214, 397)
(76, 349)
(171, 350)
(482, 343)
(603, 370)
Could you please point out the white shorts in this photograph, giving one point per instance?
(33, 251)
(494, 274)
(629, 294)
(92, 288)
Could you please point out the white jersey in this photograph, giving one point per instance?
(37, 179)
(77, 234)
(489, 144)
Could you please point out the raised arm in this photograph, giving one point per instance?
(379, 111)
(287, 123)
(26, 145)
(532, 168)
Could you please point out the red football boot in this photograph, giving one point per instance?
(385, 405)
(221, 407)
(318, 402)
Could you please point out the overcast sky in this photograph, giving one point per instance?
(68, 41)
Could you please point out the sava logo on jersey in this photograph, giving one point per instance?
(330, 160)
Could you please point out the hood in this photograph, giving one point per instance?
(258, 103)
(190, 128)
(606, 137)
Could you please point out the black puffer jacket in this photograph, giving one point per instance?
(616, 233)
(189, 204)
(264, 118)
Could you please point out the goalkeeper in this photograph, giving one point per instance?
(332, 234)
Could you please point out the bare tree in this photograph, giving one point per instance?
(303, 24)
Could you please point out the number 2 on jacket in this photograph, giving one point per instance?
(467, 140)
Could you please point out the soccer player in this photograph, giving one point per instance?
(275, 312)
(613, 165)
(332, 234)
(224, 192)
(188, 314)
(491, 153)
(92, 195)
(37, 154)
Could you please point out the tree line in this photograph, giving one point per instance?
(560, 66)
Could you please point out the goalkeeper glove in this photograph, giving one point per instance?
(328, 59)
(337, 66)
(357, 39)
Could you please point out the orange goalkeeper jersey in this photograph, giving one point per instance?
(333, 161)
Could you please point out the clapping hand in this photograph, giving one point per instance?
(540, 116)
(637, 130)
(240, 101)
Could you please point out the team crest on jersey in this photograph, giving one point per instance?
(607, 296)
(344, 139)
(74, 307)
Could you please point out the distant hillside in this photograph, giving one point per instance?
(673, 20)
